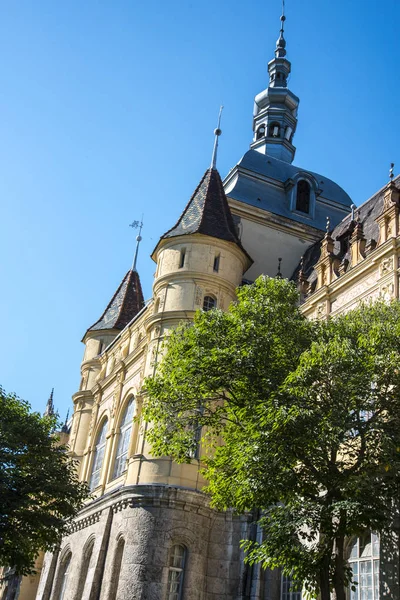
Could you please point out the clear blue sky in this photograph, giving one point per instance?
(107, 111)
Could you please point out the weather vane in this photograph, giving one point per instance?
(217, 133)
(137, 225)
(391, 174)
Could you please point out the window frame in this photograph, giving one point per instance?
(123, 429)
(206, 300)
(99, 446)
(363, 559)
(171, 594)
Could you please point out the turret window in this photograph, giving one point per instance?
(182, 258)
(125, 431)
(303, 196)
(216, 263)
(98, 456)
(176, 572)
(274, 130)
(261, 131)
(209, 303)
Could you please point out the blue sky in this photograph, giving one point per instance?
(107, 111)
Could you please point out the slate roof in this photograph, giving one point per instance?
(368, 213)
(207, 212)
(124, 305)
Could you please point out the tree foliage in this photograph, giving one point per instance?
(39, 489)
(308, 414)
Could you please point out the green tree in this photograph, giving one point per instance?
(309, 417)
(39, 490)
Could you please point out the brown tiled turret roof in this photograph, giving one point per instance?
(124, 305)
(207, 212)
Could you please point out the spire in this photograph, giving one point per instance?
(65, 427)
(135, 225)
(124, 305)
(275, 108)
(217, 133)
(49, 411)
(207, 213)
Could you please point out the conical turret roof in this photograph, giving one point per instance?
(124, 305)
(207, 212)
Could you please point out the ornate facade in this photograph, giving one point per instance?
(149, 533)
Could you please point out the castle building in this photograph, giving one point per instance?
(149, 532)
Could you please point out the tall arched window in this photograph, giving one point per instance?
(303, 196)
(176, 572)
(124, 436)
(287, 591)
(209, 302)
(116, 569)
(63, 576)
(363, 557)
(98, 456)
(87, 555)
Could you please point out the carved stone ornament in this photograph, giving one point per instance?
(387, 292)
(386, 265)
(198, 296)
(321, 310)
(114, 404)
(162, 300)
(102, 373)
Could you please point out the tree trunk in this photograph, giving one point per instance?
(324, 585)
(339, 574)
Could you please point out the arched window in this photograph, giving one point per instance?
(176, 572)
(363, 557)
(116, 569)
(87, 555)
(63, 576)
(125, 431)
(287, 591)
(261, 131)
(303, 196)
(98, 456)
(274, 130)
(209, 302)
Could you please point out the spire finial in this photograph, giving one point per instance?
(135, 225)
(280, 51)
(328, 225)
(217, 133)
(49, 411)
(391, 174)
(279, 274)
(353, 208)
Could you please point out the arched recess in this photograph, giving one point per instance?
(124, 435)
(85, 564)
(116, 568)
(98, 453)
(62, 579)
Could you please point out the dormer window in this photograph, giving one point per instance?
(261, 131)
(303, 196)
(274, 130)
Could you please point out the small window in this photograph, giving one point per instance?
(216, 263)
(287, 591)
(98, 457)
(209, 303)
(288, 133)
(176, 572)
(182, 258)
(101, 346)
(87, 555)
(303, 196)
(261, 131)
(274, 130)
(125, 431)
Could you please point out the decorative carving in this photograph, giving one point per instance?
(162, 300)
(386, 265)
(90, 520)
(198, 296)
(387, 292)
(102, 373)
(321, 310)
